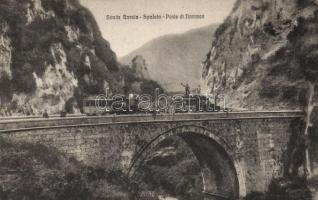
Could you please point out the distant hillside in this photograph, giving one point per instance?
(176, 58)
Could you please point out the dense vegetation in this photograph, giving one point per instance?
(283, 189)
(36, 172)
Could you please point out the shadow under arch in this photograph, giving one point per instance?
(221, 172)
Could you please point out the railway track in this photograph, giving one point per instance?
(16, 118)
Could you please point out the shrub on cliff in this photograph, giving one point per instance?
(304, 3)
(149, 87)
(268, 90)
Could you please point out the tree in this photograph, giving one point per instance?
(6, 87)
(150, 86)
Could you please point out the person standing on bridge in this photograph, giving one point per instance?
(45, 114)
(63, 113)
(186, 88)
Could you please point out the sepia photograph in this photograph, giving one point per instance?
(158, 99)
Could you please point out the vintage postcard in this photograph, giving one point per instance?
(158, 100)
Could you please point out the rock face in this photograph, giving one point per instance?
(265, 57)
(5, 51)
(140, 67)
(51, 53)
(255, 59)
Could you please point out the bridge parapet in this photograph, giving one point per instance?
(36, 123)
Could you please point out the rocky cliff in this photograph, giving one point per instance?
(140, 67)
(265, 57)
(257, 59)
(51, 55)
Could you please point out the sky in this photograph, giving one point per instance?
(128, 35)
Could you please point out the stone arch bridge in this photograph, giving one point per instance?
(238, 152)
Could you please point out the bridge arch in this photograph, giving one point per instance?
(222, 174)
